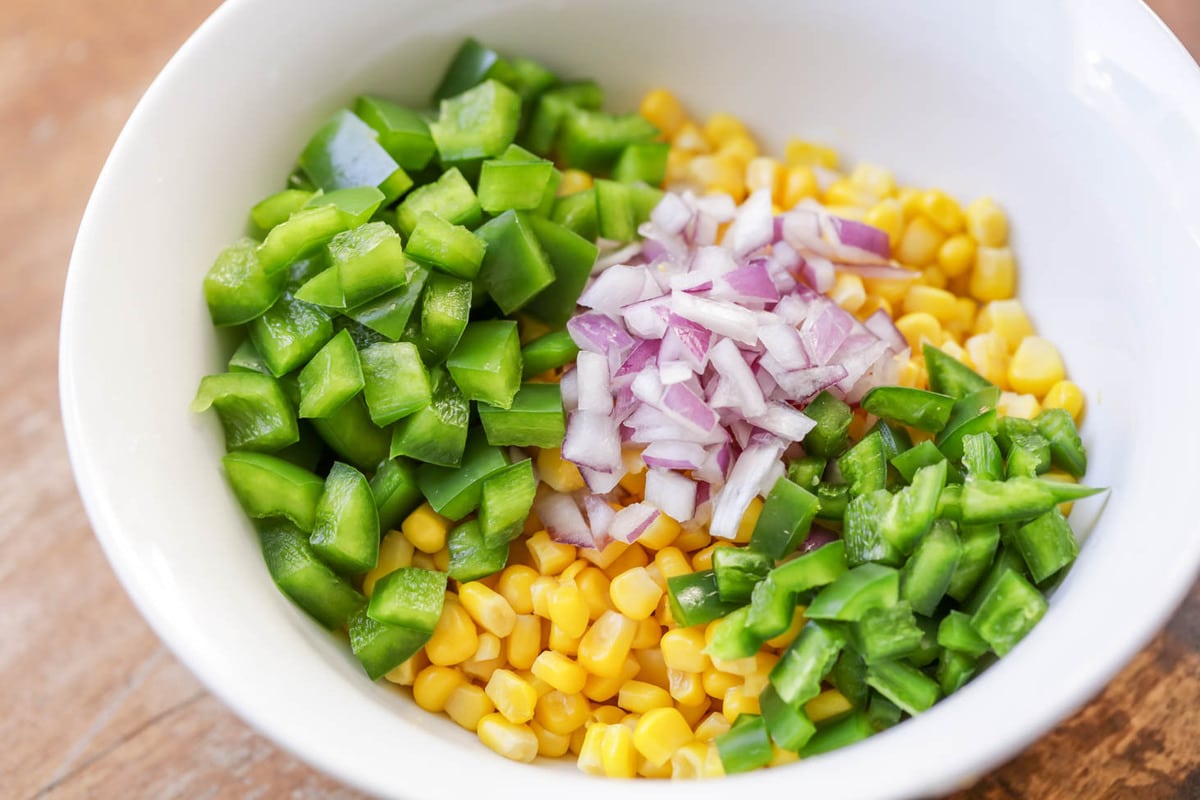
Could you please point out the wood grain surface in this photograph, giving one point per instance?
(91, 703)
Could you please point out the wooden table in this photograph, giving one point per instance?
(92, 703)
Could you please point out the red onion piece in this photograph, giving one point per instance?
(782, 342)
(818, 537)
(731, 502)
(672, 215)
(882, 326)
(614, 288)
(563, 520)
(647, 319)
(667, 454)
(885, 272)
(599, 333)
(685, 341)
(753, 227)
(862, 236)
(784, 421)
(724, 319)
(592, 441)
(671, 493)
(632, 521)
(599, 518)
(742, 389)
(594, 390)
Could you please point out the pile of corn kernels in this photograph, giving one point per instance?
(574, 650)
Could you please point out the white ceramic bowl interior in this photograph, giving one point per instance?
(1081, 116)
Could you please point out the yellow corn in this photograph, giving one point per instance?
(576, 740)
(920, 243)
(888, 216)
(687, 762)
(659, 733)
(964, 316)
(718, 173)
(932, 277)
(1007, 319)
(663, 110)
(601, 689)
(434, 685)
(617, 752)
(799, 183)
(405, 674)
(549, 557)
(605, 646)
(943, 210)
(569, 610)
(540, 592)
(717, 683)
(635, 594)
(749, 520)
(487, 659)
(686, 688)
(671, 562)
(513, 697)
(514, 586)
(873, 304)
(426, 529)
(574, 180)
(848, 292)
(691, 540)
(395, 551)
(550, 744)
(1035, 367)
(1065, 395)
(827, 705)
(988, 354)
(634, 482)
(712, 767)
(1011, 404)
(938, 303)
(594, 585)
(646, 769)
(956, 255)
(525, 642)
(683, 649)
(995, 274)
(540, 686)
(511, 740)
(468, 704)
(810, 154)
(844, 193)
(605, 557)
(562, 713)
(738, 701)
(569, 574)
(889, 290)
(741, 148)
(764, 173)
(910, 199)
(918, 328)
(713, 726)
(656, 575)
(488, 608)
(608, 715)
(986, 223)
(659, 533)
(652, 667)
(689, 139)
(640, 697)
(694, 713)
(721, 127)
(648, 635)
(632, 556)
(591, 752)
(779, 756)
(784, 639)
(441, 560)
(561, 642)
(559, 474)
(873, 178)
(454, 638)
(560, 672)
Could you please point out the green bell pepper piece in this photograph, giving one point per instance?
(577, 213)
(323, 289)
(1008, 612)
(345, 153)
(864, 466)
(1016, 499)
(895, 438)
(289, 333)
(694, 598)
(450, 197)
(772, 608)
(380, 647)
(237, 288)
(738, 570)
(332, 377)
(927, 411)
(571, 257)
(396, 383)
(471, 556)
(437, 433)
(472, 64)
(926, 576)
(954, 670)
(982, 458)
(299, 574)
(642, 161)
(806, 472)
(535, 418)
(389, 314)
(788, 724)
(745, 746)
(828, 439)
(863, 530)
(516, 180)
(732, 637)
(614, 211)
(855, 592)
(476, 124)
(833, 498)
(1066, 448)
(345, 530)
(505, 500)
(370, 261)
(837, 733)
(904, 685)
(593, 140)
(808, 659)
(1047, 544)
(394, 485)
(276, 208)
(949, 376)
(785, 519)
(1028, 456)
(975, 413)
(885, 633)
(849, 676)
(978, 543)
(254, 412)
(403, 133)
(542, 132)
(351, 434)
(445, 311)
(447, 247)
(486, 362)
(819, 567)
(454, 492)
(956, 633)
(515, 267)
(923, 455)
(410, 597)
(913, 508)
(547, 352)
(246, 359)
(324, 216)
(268, 487)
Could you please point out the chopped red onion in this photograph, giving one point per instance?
(671, 493)
(601, 482)
(592, 441)
(880, 324)
(723, 319)
(868, 239)
(882, 271)
(599, 333)
(647, 319)
(753, 227)
(568, 384)
(594, 387)
(667, 454)
(783, 344)
(685, 341)
(742, 389)
(671, 215)
(670, 372)
(711, 261)
(599, 518)
(563, 520)
(644, 354)
(614, 288)
(731, 502)
(784, 421)
(824, 331)
(632, 521)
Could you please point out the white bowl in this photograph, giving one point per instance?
(1081, 116)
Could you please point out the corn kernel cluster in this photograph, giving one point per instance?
(573, 650)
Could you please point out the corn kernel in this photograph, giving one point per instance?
(454, 638)
(558, 473)
(562, 643)
(986, 223)
(874, 179)
(660, 533)
(918, 328)
(549, 557)
(693, 539)
(1065, 395)
(395, 551)
(737, 702)
(799, 183)
(649, 633)
(488, 608)
(426, 529)
(467, 705)
(717, 683)
(888, 216)
(618, 753)
(956, 255)
(513, 697)
(632, 556)
(646, 769)
(988, 354)
(560, 672)
(963, 321)
(514, 586)
(576, 740)
(659, 733)
(1008, 319)
(741, 148)
(574, 180)
(540, 592)
(604, 557)
(688, 138)
(952, 348)
(662, 110)
(550, 744)
(827, 705)
(634, 483)
(525, 642)
(591, 753)
(943, 210)
(873, 304)
(608, 715)
(635, 594)
(694, 713)
(754, 683)
(686, 688)
(995, 274)
(562, 713)
(601, 689)
(1035, 367)
(718, 173)
(713, 726)
(489, 647)
(787, 637)
(683, 649)
(721, 127)
(712, 767)
(569, 610)
(441, 560)
(932, 277)
(920, 243)
(652, 667)
(779, 756)
(1024, 406)
(889, 290)
(405, 673)
(487, 658)
(938, 303)
(640, 697)
(844, 193)
(433, 686)
(569, 574)
(605, 646)
(594, 585)
(687, 762)
(663, 615)
(764, 173)
(540, 686)
(671, 562)
(848, 292)
(810, 154)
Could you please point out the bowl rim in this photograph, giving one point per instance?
(1088, 680)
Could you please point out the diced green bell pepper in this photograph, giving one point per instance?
(268, 487)
(476, 124)
(324, 216)
(913, 508)
(956, 633)
(516, 180)
(486, 362)
(849, 676)
(1047, 544)
(396, 383)
(471, 556)
(394, 485)
(345, 531)
(238, 288)
(454, 492)
(642, 161)
(1016, 499)
(370, 261)
(437, 433)
(614, 210)
(785, 519)
(541, 134)
(380, 647)
(577, 213)
(445, 311)
(593, 140)
(921, 455)
(904, 685)
(864, 466)
(819, 567)
(839, 732)
(410, 597)
(289, 333)
(571, 257)
(772, 608)
(982, 458)
(806, 472)
(403, 133)
(927, 411)
(332, 377)
(885, 633)
(828, 439)
(447, 247)
(450, 197)
(855, 592)
(345, 153)
(926, 576)
(389, 314)
(731, 636)
(1008, 612)
(472, 64)
(1028, 456)
(1066, 448)
(694, 598)
(788, 724)
(505, 500)
(246, 359)
(834, 499)
(949, 376)
(975, 413)
(863, 530)
(737, 571)
(551, 351)
(296, 570)
(808, 659)
(745, 746)
(515, 267)
(535, 418)
(979, 543)
(276, 208)
(351, 434)
(954, 670)
(254, 412)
